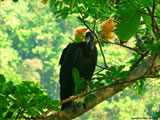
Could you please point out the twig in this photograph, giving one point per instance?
(94, 26)
(138, 61)
(150, 83)
(104, 78)
(98, 71)
(81, 18)
(100, 66)
(154, 22)
(133, 49)
(141, 11)
(151, 65)
(141, 42)
(18, 113)
(153, 76)
(151, 12)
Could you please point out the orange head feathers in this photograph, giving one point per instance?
(80, 33)
(107, 27)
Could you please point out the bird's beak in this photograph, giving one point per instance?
(87, 40)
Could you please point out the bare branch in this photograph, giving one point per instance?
(154, 22)
(139, 60)
(121, 45)
(153, 76)
(141, 42)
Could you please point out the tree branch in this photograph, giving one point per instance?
(154, 22)
(141, 42)
(103, 94)
(142, 11)
(138, 61)
(121, 45)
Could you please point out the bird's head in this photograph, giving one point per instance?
(89, 38)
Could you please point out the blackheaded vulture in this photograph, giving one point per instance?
(83, 56)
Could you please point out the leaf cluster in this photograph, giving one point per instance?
(24, 100)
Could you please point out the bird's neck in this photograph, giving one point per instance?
(90, 46)
(88, 49)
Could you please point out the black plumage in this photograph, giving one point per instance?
(83, 56)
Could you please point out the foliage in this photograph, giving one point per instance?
(23, 100)
(130, 17)
(80, 83)
(31, 44)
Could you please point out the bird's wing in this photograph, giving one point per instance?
(94, 62)
(65, 51)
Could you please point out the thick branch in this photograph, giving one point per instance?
(142, 70)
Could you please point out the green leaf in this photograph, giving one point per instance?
(91, 84)
(158, 114)
(109, 74)
(78, 39)
(90, 97)
(113, 69)
(140, 86)
(9, 115)
(2, 79)
(51, 3)
(148, 21)
(55, 108)
(140, 90)
(146, 3)
(55, 102)
(130, 21)
(80, 84)
(4, 102)
(10, 88)
(73, 3)
(124, 74)
(98, 85)
(64, 15)
(121, 67)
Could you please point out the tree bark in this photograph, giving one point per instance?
(148, 67)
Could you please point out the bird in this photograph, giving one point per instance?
(83, 57)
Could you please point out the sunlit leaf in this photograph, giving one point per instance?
(130, 21)
(148, 21)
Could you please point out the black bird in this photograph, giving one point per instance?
(83, 56)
